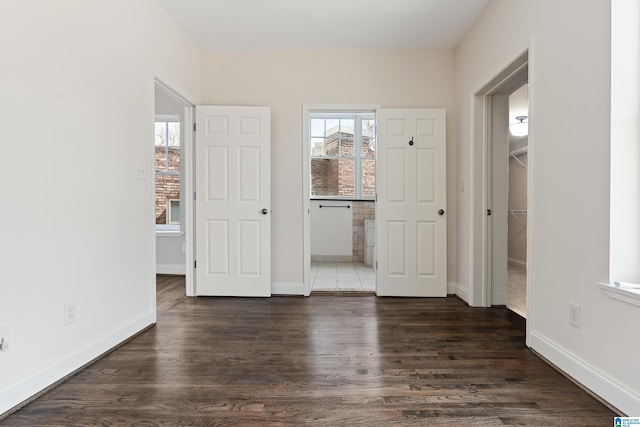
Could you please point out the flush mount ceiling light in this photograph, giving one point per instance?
(521, 128)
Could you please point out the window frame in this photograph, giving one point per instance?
(170, 227)
(358, 117)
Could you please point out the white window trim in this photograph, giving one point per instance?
(357, 158)
(624, 249)
(172, 229)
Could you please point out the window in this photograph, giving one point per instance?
(167, 167)
(342, 148)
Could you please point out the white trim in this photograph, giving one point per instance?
(287, 288)
(187, 222)
(451, 288)
(630, 296)
(607, 388)
(20, 392)
(306, 190)
(462, 292)
(179, 269)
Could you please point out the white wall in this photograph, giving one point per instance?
(77, 121)
(569, 189)
(331, 228)
(285, 80)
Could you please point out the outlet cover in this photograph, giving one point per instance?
(70, 313)
(575, 315)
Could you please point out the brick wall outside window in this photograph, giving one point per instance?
(167, 186)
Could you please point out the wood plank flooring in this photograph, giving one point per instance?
(321, 361)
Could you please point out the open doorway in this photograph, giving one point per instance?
(339, 168)
(518, 201)
(492, 212)
(172, 183)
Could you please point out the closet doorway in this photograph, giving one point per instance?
(517, 201)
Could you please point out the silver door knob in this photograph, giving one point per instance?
(265, 211)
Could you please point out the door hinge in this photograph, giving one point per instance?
(488, 211)
(376, 265)
(195, 264)
(194, 127)
(194, 195)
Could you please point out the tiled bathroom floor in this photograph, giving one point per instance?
(342, 276)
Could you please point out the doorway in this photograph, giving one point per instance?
(341, 158)
(518, 201)
(172, 181)
(492, 213)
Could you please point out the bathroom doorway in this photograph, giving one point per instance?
(340, 155)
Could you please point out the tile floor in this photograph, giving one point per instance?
(342, 276)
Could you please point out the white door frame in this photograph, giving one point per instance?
(505, 82)
(188, 177)
(306, 186)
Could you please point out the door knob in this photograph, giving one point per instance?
(264, 211)
(440, 212)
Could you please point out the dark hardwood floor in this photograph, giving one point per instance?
(322, 361)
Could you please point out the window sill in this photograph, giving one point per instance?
(168, 230)
(630, 296)
(340, 199)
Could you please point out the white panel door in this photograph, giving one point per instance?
(232, 207)
(411, 203)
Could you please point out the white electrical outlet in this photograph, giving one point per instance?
(575, 315)
(5, 337)
(70, 313)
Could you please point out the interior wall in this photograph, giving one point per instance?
(77, 109)
(285, 80)
(569, 75)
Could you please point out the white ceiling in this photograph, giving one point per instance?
(216, 25)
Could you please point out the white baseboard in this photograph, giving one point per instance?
(462, 292)
(171, 269)
(451, 288)
(286, 288)
(23, 390)
(598, 382)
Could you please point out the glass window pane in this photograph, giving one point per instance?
(368, 146)
(161, 159)
(333, 127)
(346, 146)
(332, 145)
(173, 160)
(173, 134)
(347, 126)
(159, 134)
(174, 215)
(317, 127)
(332, 177)
(317, 147)
(167, 188)
(368, 127)
(324, 177)
(368, 178)
(346, 178)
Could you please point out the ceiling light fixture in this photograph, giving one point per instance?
(521, 128)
